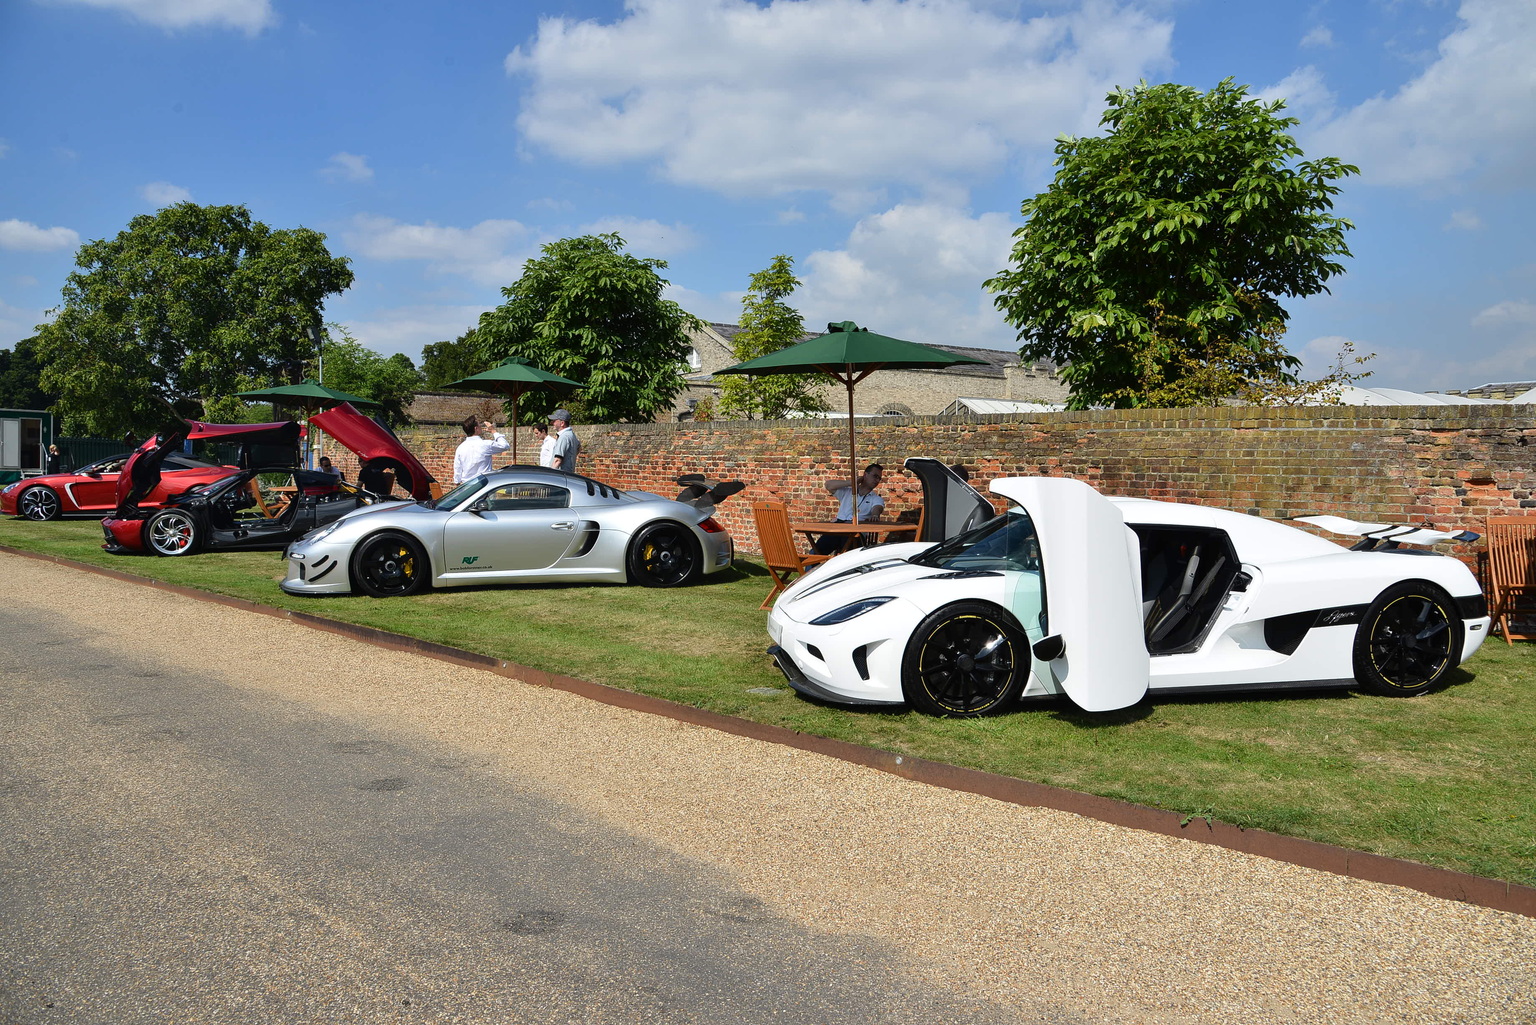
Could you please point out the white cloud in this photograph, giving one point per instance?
(5, 149)
(30, 238)
(1319, 36)
(1511, 311)
(646, 238)
(249, 16)
(406, 329)
(1464, 220)
(1304, 91)
(165, 194)
(483, 253)
(1320, 357)
(914, 271)
(17, 323)
(845, 96)
(1473, 110)
(1503, 348)
(347, 167)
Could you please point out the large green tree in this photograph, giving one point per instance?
(391, 381)
(769, 324)
(589, 311)
(19, 372)
(187, 302)
(443, 363)
(1152, 267)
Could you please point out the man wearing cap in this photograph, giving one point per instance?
(567, 445)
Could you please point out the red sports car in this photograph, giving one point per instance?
(93, 488)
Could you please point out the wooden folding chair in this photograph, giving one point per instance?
(261, 500)
(779, 552)
(1512, 575)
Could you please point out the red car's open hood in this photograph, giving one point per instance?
(374, 445)
(141, 472)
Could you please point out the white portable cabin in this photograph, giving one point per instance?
(24, 438)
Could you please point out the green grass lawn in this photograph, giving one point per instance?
(1448, 778)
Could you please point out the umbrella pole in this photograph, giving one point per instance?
(513, 425)
(853, 464)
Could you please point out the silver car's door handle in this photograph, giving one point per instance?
(563, 525)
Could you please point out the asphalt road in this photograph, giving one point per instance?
(175, 849)
(211, 815)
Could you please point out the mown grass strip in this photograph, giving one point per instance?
(1448, 779)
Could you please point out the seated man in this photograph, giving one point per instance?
(871, 506)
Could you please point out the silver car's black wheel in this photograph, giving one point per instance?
(389, 566)
(39, 503)
(171, 532)
(664, 555)
(1409, 639)
(964, 660)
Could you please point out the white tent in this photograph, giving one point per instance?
(1352, 395)
(963, 406)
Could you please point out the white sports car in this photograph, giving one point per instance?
(1103, 599)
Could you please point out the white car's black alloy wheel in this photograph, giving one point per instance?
(967, 659)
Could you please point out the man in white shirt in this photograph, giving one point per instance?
(871, 505)
(473, 456)
(546, 445)
(567, 445)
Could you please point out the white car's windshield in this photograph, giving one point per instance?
(1006, 542)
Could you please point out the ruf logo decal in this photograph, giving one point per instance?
(470, 560)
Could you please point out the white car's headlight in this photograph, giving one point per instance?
(848, 612)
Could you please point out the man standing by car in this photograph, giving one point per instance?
(567, 445)
(473, 456)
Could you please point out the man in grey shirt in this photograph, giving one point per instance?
(567, 445)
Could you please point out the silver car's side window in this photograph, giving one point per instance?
(518, 497)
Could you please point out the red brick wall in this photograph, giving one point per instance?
(1451, 466)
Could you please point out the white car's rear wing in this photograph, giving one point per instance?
(1388, 534)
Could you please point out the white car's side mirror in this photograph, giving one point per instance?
(1049, 649)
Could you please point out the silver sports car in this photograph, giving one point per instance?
(521, 524)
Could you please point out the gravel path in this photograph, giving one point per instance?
(1024, 906)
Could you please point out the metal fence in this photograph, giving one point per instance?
(78, 452)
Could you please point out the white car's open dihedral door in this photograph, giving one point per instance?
(1091, 590)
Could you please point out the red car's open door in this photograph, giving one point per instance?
(375, 447)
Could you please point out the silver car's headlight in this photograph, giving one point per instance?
(848, 612)
(320, 532)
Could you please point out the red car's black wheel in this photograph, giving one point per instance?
(171, 532)
(39, 503)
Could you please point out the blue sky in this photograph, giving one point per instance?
(885, 145)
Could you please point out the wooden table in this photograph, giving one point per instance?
(882, 530)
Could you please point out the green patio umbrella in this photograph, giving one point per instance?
(309, 395)
(850, 353)
(511, 377)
